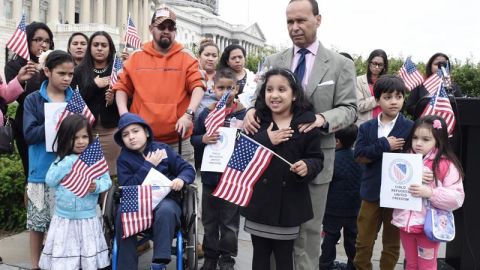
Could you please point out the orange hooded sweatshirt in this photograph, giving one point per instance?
(161, 86)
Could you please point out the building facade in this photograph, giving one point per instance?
(196, 19)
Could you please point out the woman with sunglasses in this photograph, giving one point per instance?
(377, 65)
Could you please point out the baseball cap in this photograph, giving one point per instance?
(162, 14)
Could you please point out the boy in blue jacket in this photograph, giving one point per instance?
(386, 133)
(220, 218)
(139, 154)
(343, 202)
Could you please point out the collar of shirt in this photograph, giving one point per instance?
(385, 129)
(309, 58)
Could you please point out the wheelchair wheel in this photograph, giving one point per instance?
(190, 207)
(108, 216)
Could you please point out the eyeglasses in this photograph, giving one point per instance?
(41, 40)
(170, 28)
(374, 64)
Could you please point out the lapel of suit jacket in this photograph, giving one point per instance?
(398, 126)
(286, 59)
(318, 71)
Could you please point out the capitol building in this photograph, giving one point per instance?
(196, 19)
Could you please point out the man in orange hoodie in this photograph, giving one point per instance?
(165, 83)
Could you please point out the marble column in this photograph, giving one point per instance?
(123, 19)
(85, 11)
(53, 10)
(35, 12)
(98, 12)
(16, 11)
(134, 13)
(111, 18)
(146, 20)
(70, 11)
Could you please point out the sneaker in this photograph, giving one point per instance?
(158, 266)
(209, 264)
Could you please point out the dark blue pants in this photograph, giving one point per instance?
(332, 225)
(221, 220)
(166, 220)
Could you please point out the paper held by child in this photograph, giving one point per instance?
(161, 186)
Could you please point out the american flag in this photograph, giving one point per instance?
(136, 209)
(216, 117)
(440, 105)
(131, 36)
(400, 171)
(410, 74)
(76, 105)
(18, 42)
(248, 161)
(89, 166)
(433, 82)
(116, 70)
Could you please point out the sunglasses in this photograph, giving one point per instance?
(163, 27)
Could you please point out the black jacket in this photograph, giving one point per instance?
(95, 99)
(419, 98)
(280, 197)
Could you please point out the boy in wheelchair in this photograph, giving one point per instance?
(139, 154)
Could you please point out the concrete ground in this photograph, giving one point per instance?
(15, 253)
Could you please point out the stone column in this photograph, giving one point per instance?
(146, 20)
(134, 13)
(35, 12)
(112, 13)
(53, 10)
(123, 20)
(98, 12)
(85, 11)
(16, 11)
(70, 11)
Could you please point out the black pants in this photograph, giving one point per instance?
(221, 220)
(332, 225)
(263, 248)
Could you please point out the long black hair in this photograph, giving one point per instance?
(86, 66)
(31, 29)
(300, 103)
(380, 53)
(440, 134)
(428, 67)
(223, 63)
(66, 134)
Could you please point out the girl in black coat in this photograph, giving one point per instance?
(281, 200)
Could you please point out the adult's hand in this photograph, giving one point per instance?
(319, 122)
(251, 124)
(183, 124)
(26, 72)
(102, 82)
(109, 97)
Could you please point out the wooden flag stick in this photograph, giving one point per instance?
(277, 155)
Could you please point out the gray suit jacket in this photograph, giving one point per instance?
(331, 90)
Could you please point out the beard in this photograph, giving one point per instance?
(164, 43)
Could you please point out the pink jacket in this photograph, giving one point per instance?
(9, 93)
(448, 195)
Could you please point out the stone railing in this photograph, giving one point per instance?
(86, 27)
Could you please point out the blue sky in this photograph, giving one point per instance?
(410, 27)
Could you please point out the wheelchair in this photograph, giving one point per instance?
(186, 236)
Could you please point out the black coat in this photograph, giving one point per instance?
(280, 197)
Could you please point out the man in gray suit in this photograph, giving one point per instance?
(329, 82)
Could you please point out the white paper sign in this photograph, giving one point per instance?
(216, 156)
(246, 99)
(161, 186)
(399, 171)
(53, 111)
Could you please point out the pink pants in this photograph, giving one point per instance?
(420, 252)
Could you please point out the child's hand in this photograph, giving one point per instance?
(420, 191)
(212, 139)
(300, 168)
(155, 157)
(92, 187)
(427, 175)
(279, 136)
(177, 184)
(395, 143)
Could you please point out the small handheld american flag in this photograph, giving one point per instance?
(116, 70)
(89, 166)
(216, 117)
(247, 163)
(18, 42)
(131, 35)
(410, 74)
(76, 105)
(433, 82)
(440, 105)
(136, 209)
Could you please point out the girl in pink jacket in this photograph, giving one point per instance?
(442, 186)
